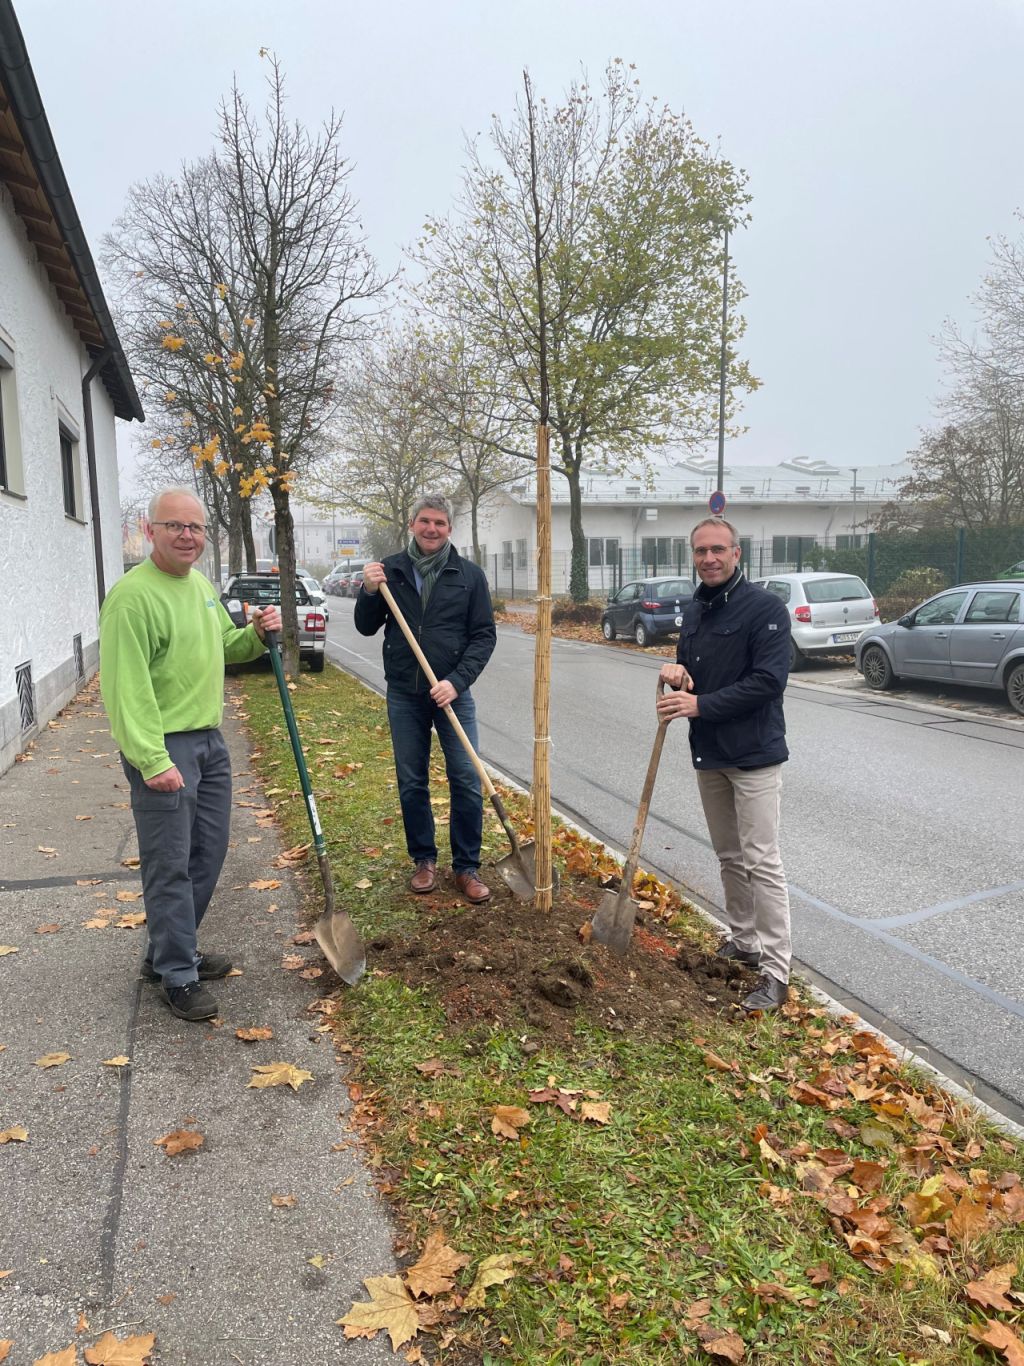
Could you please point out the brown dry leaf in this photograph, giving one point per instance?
(291, 961)
(133, 862)
(5, 949)
(265, 884)
(969, 1220)
(50, 928)
(119, 1061)
(727, 1345)
(769, 1154)
(17, 1133)
(115, 1351)
(363, 884)
(390, 1307)
(597, 1111)
(719, 1064)
(507, 1120)
(82, 1326)
(131, 920)
(820, 1274)
(284, 1201)
(433, 1067)
(180, 1141)
(128, 896)
(1002, 1338)
(311, 974)
(67, 1357)
(88, 881)
(5, 1274)
(692, 1316)
(279, 1074)
(53, 1060)
(990, 1291)
(5, 1348)
(167, 1299)
(254, 1034)
(491, 1271)
(96, 923)
(45, 849)
(434, 1273)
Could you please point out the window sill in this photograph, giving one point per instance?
(13, 493)
(79, 521)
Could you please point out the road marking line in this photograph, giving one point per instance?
(891, 922)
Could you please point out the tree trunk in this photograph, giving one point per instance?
(579, 574)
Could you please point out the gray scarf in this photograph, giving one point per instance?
(428, 566)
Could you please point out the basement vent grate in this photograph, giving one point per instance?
(26, 696)
(76, 645)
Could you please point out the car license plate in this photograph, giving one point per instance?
(679, 621)
(845, 637)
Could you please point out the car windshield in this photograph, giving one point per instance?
(846, 589)
(672, 588)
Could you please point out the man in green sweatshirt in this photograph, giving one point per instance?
(164, 641)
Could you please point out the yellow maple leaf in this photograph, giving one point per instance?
(173, 343)
(267, 884)
(5, 949)
(53, 1059)
(131, 920)
(283, 1201)
(67, 1357)
(254, 1034)
(119, 1061)
(507, 1120)
(5, 1348)
(114, 1351)
(279, 1074)
(491, 1271)
(390, 1306)
(179, 1141)
(128, 896)
(597, 1111)
(434, 1273)
(15, 1134)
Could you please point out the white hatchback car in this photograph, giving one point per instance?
(828, 612)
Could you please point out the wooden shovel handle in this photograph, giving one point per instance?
(414, 645)
(633, 856)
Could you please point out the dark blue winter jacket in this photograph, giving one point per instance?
(456, 633)
(735, 643)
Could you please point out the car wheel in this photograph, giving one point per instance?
(1015, 688)
(877, 670)
(797, 658)
(608, 628)
(316, 663)
(641, 635)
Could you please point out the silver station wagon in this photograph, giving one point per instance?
(972, 634)
(828, 613)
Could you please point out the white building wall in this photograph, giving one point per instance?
(47, 558)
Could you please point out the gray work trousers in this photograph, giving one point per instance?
(183, 840)
(742, 812)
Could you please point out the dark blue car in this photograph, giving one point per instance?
(648, 610)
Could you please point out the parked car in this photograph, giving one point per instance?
(317, 596)
(828, 612)
(647, 610)
(331, 582)
(262, 590)
(1015, 571)
(972, 634)
(353, 584)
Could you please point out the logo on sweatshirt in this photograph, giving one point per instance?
(210, 602)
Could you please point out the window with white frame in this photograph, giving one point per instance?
(521, 554)
(11, 469)
(506, 554)
(69, 472)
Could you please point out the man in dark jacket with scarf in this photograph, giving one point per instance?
(447, 603)
(729, 679)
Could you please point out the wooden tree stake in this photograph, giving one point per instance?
(542, 679)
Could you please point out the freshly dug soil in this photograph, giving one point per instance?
(506, 964)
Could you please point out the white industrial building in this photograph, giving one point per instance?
(64, 381)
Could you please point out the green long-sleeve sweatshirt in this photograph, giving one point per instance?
(164, 641)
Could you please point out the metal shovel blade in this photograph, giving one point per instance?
(518, 871)
(613, 920)
(340, 944)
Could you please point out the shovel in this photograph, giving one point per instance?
(335, 932)
(613, 922)
(518, 869)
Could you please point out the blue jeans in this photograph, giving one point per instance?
(412, 717)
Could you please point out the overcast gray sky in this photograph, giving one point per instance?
(882, 141)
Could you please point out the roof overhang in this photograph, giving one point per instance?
(31, 170)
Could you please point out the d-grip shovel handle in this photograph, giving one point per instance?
(424, 664)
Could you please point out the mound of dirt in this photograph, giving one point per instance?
(506, 964)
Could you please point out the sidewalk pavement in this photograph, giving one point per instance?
(96, 1220)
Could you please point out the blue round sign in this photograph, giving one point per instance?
(717, 503)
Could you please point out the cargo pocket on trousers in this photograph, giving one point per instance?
(147, 799)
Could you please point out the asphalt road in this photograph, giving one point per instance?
(902, 833)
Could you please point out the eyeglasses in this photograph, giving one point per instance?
(176, 528)
(702, 552)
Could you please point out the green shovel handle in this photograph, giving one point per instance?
(271, 642)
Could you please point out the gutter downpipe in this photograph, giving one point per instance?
(90, 453)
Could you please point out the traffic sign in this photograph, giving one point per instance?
(717, 503)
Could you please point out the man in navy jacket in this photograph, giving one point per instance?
(447, 603)
(729, 679)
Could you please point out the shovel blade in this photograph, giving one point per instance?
(613, 921)
(518, 871)
(340, 944)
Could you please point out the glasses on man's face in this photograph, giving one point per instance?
(702, 552)
(176, 528)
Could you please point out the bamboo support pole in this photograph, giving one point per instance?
(542, 680)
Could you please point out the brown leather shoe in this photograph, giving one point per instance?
(472, 888)
(425, 876)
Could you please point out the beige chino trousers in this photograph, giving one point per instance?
(742, 812)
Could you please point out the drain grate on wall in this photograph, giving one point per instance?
(76, 645)
(26, 695)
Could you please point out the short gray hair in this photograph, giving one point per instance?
(154, 502)
(718, 522)
(437, 501)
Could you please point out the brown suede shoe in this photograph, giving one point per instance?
(425, 876)
(472, 888)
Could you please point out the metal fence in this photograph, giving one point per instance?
(891, 565)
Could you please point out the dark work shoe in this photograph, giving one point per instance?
(211, 966)
(728, 948)
(425, 876)
(768, 995)
(191, 1002)
(472, 888)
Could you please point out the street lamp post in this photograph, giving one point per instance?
(722, 365)
(853, 529)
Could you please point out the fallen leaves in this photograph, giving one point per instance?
(491, 1271)
(120, 1061)
(434, 1273)
(991, 1290)
(279, 1074)
(266, 884)
(180, 1141)
(254, 1034)
(507, 1120)
(5, 949)
(390, 1307)
(128, 896)
(15, 1134)
(131, 920)
(67, 1357)
(5, 1348)
(1000, 1337)
(52, 927)
(284, 1201)
(53, 1060)
(111, 1350)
